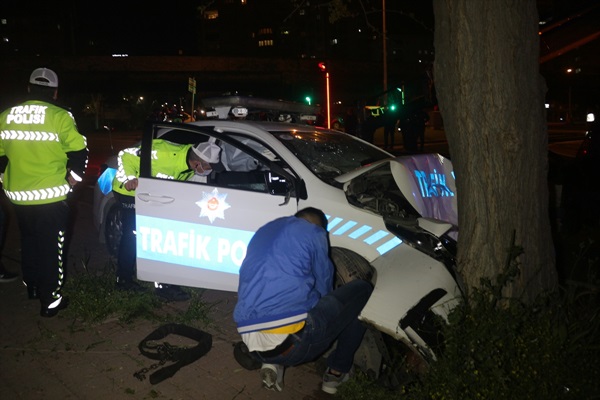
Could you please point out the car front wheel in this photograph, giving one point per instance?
(349, 266)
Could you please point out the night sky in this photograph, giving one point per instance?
(143, 28)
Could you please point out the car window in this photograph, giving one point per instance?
(181, 136)
(236, 169)
(330, 154)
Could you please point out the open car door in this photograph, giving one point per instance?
(195, 233)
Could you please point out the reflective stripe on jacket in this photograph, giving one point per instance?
(38, 139)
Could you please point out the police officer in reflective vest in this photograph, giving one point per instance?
(169, 161)
(47, 156)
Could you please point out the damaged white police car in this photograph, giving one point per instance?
(392, 220)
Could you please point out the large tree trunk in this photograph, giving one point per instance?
(491, 96)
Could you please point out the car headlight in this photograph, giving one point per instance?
(441, 248)
(239, 112)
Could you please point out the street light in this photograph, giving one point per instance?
(383, 37)
(323, 68)
(569, 110)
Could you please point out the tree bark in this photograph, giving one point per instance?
(491, 97)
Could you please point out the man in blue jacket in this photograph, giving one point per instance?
(287, 311)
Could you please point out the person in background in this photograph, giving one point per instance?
(390, 120)
(368, 128)
(321, 121)
(5, 276)
(287, 311)
(421, 120)
(351, 122)
(413, 129)
(170, 161)
(47, 157)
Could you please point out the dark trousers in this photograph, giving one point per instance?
(410, 140)
(389, 133)
(2, 230)
(421, 138)
(43, 254)
(335, 317)
(127, 252)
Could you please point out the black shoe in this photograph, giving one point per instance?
(129, 286)
(171, 293)
(32, 293)
(6, 277)
(243, 357)
(51, 312)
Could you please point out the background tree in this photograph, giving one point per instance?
(491, 96)
(94, 108)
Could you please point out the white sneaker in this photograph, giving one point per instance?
(331, 382)
(272, 376)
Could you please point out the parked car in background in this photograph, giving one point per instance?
(392, 221)
(337, 123)
(234, 106)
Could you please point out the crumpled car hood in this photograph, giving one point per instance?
(425, 181)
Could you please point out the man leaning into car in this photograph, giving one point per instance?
(170, 161)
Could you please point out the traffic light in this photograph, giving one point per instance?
(322, 67)
(401, 94)
(308, 100)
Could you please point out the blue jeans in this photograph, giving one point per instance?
(335, 317)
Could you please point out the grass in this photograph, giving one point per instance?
(94, 298)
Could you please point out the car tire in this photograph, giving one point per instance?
(379, 355)
(113, 229)
(349, 266)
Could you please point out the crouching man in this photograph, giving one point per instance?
(287, 311)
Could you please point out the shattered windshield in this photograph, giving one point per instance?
(330, 154)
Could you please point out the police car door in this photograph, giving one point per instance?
(195, 233)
